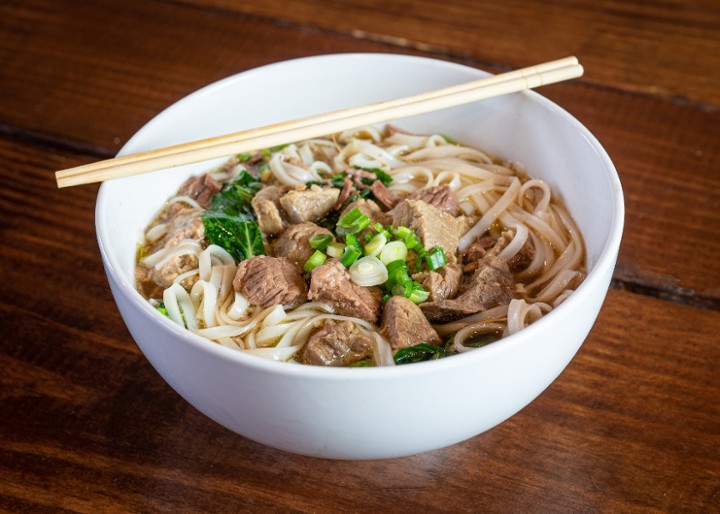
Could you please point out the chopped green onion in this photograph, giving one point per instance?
(405, 234)
(393, 251)
(375, 245)
(398, 277)
(382, 230)
(242, 157)
(400, 283)
(162, 310)
(420, 260)
(335, 250)
(320, 241)
(401, 232)
(315, 260)
(435, 258)
(352, 223)
(352, 240)
(412, 241)
(394, 265)
(350, 255)
(368, 271)
(418, 294)
(352, 252)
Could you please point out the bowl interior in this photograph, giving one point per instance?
(522, 127)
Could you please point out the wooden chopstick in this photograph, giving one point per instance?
(322, 124)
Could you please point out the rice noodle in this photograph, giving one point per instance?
(164, 255)
(184, 199)
(490, 216)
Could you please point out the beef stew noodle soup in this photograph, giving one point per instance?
(372, 247)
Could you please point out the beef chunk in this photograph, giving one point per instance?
(441, 197)
(267, 281)
(435, 227)
(370, 209)
(337, 344)
(404, 324)
(294, 244)
(383, 195)
(478, 250)
(465, 223)
(185, 223)
(267, 209)
(523, 258)
(330, 283)
(308, 204)
(443, 283)
(490, 285)
(345, 192)
(201, 189)
(488, 246)
(152, 282)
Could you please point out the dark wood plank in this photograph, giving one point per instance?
(86, 425)
(93, 72)
(631, 425)
(657, 145)
(667, 159)
(661, 48)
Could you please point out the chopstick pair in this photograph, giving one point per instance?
(320, 125)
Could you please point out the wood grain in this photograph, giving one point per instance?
(659, 48)
(656, 143)
(96, 88)
(86, 424)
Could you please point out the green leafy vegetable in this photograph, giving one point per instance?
(352, 223)
(380, 175)
(418, 353)
(230, 221)
(337, 180)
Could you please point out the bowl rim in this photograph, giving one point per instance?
(595, 277)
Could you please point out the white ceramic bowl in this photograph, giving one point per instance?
(367, 413)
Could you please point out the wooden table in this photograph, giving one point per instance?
(86, 425)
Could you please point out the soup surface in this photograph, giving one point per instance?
(371, 247)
